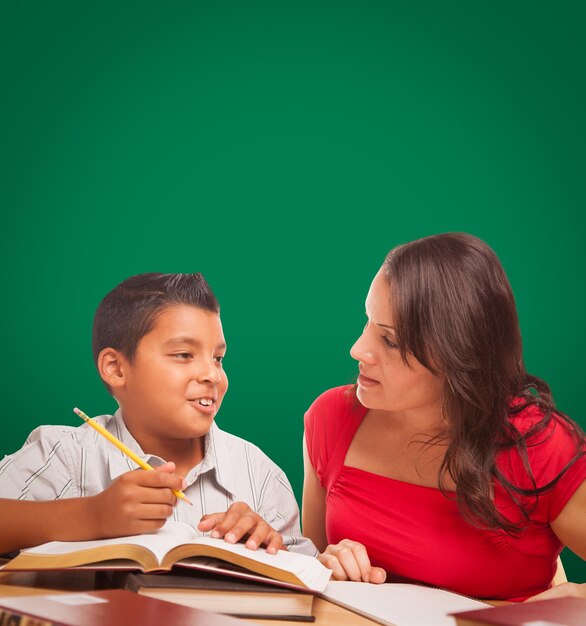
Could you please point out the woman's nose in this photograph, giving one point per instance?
(360, 351)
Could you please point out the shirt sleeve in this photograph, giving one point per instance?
(556, 467)
(40, 470)
(278, 507)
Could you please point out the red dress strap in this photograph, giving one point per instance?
(330, 425)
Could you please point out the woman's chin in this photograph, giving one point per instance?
(366, 397)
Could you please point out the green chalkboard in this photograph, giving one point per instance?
(281, 148)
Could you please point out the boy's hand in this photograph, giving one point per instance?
(238, 521)
(137, 502)
(349, 561)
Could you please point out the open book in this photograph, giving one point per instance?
(173, 544)
(399, 604)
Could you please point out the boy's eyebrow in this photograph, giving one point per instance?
(191, 341)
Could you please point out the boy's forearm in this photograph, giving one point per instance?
(25, 523)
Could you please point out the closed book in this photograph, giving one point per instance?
(176, 544)
(241, 598)
(113, 607)
(555, 612)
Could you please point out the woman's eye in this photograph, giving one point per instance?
(183, 356)
(389, 343)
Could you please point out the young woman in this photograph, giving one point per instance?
(447, 463)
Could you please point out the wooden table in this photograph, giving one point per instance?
(30, 583)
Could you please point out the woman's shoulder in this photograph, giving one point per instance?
(552, 441)
(540, 427)
(328, 421)
(334, 400)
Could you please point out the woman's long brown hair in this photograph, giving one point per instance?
(454, 311)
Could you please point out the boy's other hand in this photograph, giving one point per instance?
(238, 521)
(137, 502)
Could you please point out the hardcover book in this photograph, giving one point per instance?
(232, 596)
(176, 544)
(555, 612)
(114, 607)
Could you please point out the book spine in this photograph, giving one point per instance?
(8, 618)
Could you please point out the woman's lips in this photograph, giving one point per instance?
(364, 381)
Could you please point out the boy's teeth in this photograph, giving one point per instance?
(205, 402)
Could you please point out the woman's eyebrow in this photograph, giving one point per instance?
(385, 326)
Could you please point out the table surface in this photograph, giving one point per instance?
(30, 583)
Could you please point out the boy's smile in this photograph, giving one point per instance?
(171, 391)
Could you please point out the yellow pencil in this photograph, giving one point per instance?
(123, 448)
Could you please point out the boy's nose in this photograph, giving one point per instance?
(209, 374)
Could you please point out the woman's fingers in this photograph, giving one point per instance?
(349, 561)
(377, 575)
(331, 562)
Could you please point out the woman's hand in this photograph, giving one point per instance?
(575, 590)
(349, 561)
(238, 521)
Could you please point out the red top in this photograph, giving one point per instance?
(415, 533)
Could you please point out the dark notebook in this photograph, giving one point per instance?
(212, 592)
(113, 607)
(557, 612)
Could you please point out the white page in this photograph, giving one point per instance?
(306, 568)
(159, 543)
(400, 604)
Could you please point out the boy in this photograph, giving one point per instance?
(158, 346)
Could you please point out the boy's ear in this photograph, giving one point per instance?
(111, 367)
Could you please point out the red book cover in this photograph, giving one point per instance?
(113, 607)
(557, 612)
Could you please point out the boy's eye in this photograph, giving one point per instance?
(183, 356)
(389, 343)
(219, 358)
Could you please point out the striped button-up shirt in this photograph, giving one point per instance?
(67, 462)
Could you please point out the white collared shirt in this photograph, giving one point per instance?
(59, 462)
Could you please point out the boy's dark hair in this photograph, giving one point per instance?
(129, 311)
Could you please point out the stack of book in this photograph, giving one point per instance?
(223, 594)
(206, 573)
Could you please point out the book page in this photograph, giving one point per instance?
(397, 604)
(308, 570)
(217, 566)
(159, 543)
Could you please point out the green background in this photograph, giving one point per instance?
(281, 148)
